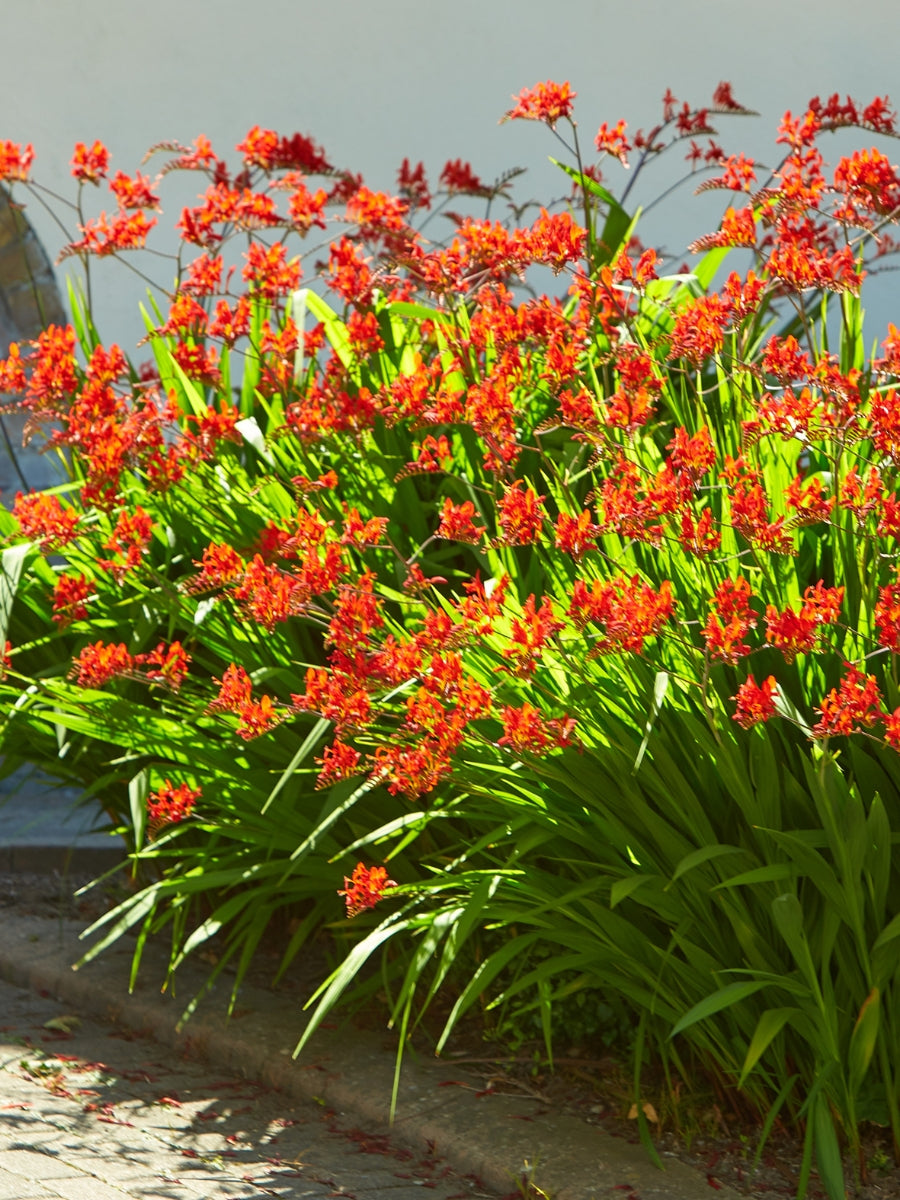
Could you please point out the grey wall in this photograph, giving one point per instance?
(375, 82)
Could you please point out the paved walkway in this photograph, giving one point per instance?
(93, 1113)
(97, 1109)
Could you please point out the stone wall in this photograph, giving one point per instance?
(29, 301)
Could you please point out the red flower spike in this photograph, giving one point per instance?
(42, 517)
(613, 141)
(166, 664)
(338, 761)
(698, 332)
(365, 888)
(169, 805)
(530, 633)
(89, 165)
(458, 178)
(629, 611)
(795, 633)
(729, 621)
(457, 524)
(15, 161)
(755, 702)
(96, 665)
(549, 102)
(111, 234)
(854, 704)
(520, 515)
(576, 535)
(133, 193)
(70, 595)
(892, 729)
(264, 148)
(887, 616)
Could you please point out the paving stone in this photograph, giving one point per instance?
(39, 1167)
(87, 1187)
(14, 1187)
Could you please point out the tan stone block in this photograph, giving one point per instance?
(38, 1167)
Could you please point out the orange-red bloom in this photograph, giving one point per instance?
(168, 805)
(89, 164)
(755, 702)
(544, 102)
(365, 888)
(95, 665)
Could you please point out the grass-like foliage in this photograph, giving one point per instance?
(562, 628)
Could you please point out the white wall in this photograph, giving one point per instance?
(375, 82)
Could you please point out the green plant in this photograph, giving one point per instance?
(471, 585)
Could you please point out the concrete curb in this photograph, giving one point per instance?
(496, 1137)
(66, 860)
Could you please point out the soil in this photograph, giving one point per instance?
(587, 1081)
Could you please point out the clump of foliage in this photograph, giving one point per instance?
(577, 616)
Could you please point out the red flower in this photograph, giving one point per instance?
(855, 703)
(699, 329)
(530, 633)
(264, 148)
(887, 616)
(755, 702)
(613, 141)
(108, 235)
(97, 664)
(892, 729)
(14, 161)
(412, 184)
(457, 524)
(130, 538)
(730, 621)
(268, 272)
(339, 761)
(168, 805)
(629, 610)
(526, 731)
(795, 633)
(89, 165)
(42, 517)
(377, 212)
(168, 665)
(520, 515)
(365, 888)
(133, 193)
(458, 178)
(576, 535)
(70, 593)
(544, 102)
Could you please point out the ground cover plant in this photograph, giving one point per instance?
(563, 628)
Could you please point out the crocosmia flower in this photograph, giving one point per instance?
(168, 805)
(365, 888)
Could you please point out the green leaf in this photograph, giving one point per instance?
(725, 997)
(250, 431)
(309, 743)
(774, 873)
(828, 1151)
(138, 790)
(660, 687)
(769, 1025)
(704, 854)
(623, 888)
(863, 1039)
(10, 572)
